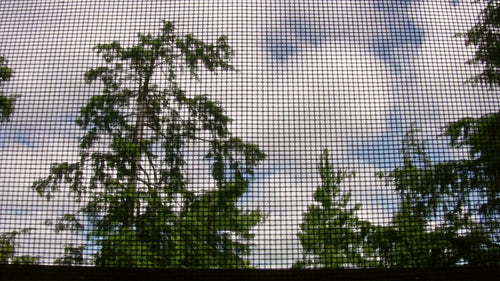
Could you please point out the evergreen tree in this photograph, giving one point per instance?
(443, 219)
(332, 236)
(435, 224)
(409, 241)
(481, 136)
(131, 176)
(485, 36)
(479, 176)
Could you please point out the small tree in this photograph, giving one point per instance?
(332, 235)
(130, 178)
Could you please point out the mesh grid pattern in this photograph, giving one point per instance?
(363, 87)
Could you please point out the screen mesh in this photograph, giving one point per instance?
(249, 134)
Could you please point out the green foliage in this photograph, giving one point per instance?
(480, 172)
(8, 240)
(409, 240)
(332, 235)
(6, 101)
(442, 220)
(481, 136)
(8, 249)
(124, 248)
(73, 255)
(131, 180)
(485, 36)
(436, 224)
(218, 231)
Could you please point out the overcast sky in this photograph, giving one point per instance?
(350, 76)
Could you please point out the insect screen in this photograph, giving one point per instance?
(250, 134)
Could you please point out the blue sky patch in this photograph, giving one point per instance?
(281, 49)
(397, 35)
(306, 30)
(398, 30)
(384, 151)
(294, 32)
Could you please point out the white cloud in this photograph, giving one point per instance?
(438, 92)
(22, 208)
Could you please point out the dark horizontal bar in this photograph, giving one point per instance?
(55, 273)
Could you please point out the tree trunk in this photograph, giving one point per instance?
(131, 200)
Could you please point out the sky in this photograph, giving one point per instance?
(349, 76)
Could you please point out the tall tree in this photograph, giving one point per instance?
(409, 241)
(435, 224)
(130, 179)
(332, 236)
(449, 212)
(481, 136)
(6, 101)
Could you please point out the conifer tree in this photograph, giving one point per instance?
(332, 236)
(436, 222)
